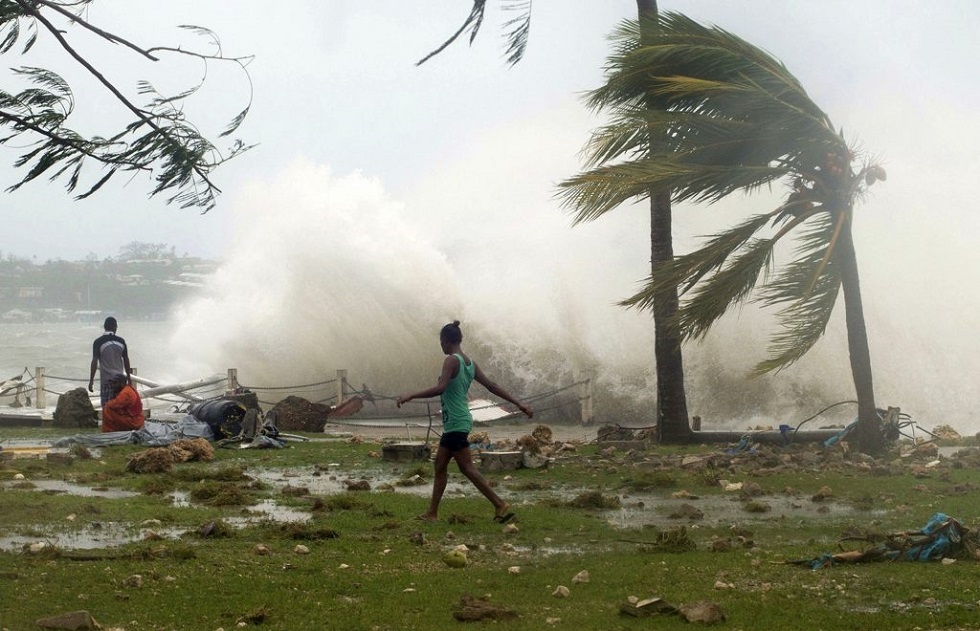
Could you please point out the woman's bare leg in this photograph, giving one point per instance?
(464, 458)
(439, 482)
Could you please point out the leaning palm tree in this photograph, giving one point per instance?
(700, 112)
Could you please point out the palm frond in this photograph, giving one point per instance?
(686, 271)
(809, 287)
(517, 30)
(719, 113)
(730, 286)
(472, 24)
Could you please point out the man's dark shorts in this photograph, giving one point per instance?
(454, 441)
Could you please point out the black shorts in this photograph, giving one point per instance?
(454, 441)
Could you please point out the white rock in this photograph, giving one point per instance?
(301, 549)
(581, 577)
(561, 592)
(19, 476)
(514, 569)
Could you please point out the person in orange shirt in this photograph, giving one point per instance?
(124, 411)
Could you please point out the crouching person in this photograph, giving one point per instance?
(124, 411)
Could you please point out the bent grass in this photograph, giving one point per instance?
(370, 566)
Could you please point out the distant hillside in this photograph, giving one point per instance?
(133, 285)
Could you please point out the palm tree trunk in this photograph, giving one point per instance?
(868, 431)
(672, 419)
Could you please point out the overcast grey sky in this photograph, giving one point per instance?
(442, 177)
(335, 85)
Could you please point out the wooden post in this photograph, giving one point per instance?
(587, 410)
(341, 385)
(232, 379)
(39, 401)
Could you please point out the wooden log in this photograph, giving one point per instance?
(771, 437)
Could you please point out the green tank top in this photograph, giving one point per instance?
(456, 415)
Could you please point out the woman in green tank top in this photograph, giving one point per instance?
(458, 372)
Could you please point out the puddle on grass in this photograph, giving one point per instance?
(328, 483)
(638, 510)
(69, 488)
(94, 535)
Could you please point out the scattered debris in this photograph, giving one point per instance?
(945, 432)
(75, 409)
(162, 459)
(703, 611)
(647, 607)
(133, 581)
(595, 499)
(687, 511)
(296, 414)
(823, 494)
(254, 618)
(72, 621)
(455, 558)
(561, 592)
(942, 537)
(471, 609)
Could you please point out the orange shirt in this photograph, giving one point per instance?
(124, 412)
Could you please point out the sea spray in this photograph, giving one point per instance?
(330, 272)
(323, 275)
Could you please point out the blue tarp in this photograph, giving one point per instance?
(152, 434)
(941, 537)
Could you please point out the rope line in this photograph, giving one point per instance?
(299, 387)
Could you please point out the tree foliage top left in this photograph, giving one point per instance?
(154, 137)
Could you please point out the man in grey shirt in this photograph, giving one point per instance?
(111, 356)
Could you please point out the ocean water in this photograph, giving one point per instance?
(64, 350)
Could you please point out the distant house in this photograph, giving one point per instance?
(16, 315)
(30, 293)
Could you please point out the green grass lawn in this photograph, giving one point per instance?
(369, 565)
